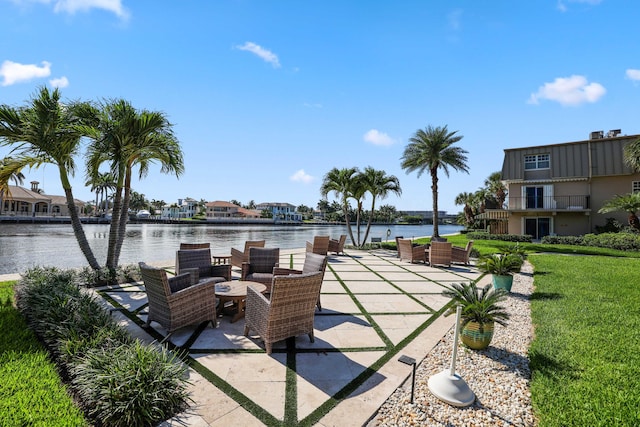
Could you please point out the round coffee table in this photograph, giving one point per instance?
(236, 292)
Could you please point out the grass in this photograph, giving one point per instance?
(584, 358)
(31, 393)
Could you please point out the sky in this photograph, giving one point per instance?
(266, 97)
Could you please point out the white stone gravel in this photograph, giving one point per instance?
(499, 376)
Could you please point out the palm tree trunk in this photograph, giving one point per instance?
(434, 194)
(79, 231)
(345, 209)
(124, 216)
(114, 228)
(373, 208)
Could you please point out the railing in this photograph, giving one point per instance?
(550, 203)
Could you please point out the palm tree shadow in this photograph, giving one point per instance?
(543, 296)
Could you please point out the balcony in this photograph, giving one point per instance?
(549, 203)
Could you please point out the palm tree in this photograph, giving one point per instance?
(124, 137)
(629, 203)
(496, 188)
(340, 182)
(9, 174)
(379, 185)
(45, 132)
(632, 155)
(102, 183)
(432, 149)
(466, 199)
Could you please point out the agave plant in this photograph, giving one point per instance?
(478, 305)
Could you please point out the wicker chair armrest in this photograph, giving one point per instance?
(246, 267)
(309, 247)
(222, 270)
(257, 306)
(281, 271)
(205, 289)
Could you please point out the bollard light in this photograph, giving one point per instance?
(410, 361)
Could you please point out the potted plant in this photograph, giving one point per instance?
(480, 312)
(502, 268)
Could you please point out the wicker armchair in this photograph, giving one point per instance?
(260, 266)
(319, 246)
(337, 246)
(289, 312)
(199, 261)
(238, 257)
(440, 253)
(174, 302)
(461, 255)
(407, 251)
(185, 246)
(398, 245)
(312, 263)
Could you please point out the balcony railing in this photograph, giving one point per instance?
(549, 203)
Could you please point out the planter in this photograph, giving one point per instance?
(502, 282)
(477, 336)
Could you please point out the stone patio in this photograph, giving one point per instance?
(375, 308)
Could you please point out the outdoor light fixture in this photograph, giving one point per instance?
(410, 361)
(449, 386)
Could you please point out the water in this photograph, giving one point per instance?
(23, 246)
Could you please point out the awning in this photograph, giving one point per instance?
(499, 214)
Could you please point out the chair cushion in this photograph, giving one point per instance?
(260, 277)
(179, 283)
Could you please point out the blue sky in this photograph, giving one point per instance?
(268, 96)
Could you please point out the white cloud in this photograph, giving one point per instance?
(376, 137)
(310, 105)
(633, 74)
(562, 4)
(301, 176)
(455, 18)
(73, 6)
(263, 53)
(59, 82)
(13, 72)
(574, 90)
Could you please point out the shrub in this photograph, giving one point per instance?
(611, 226)
(125, 383)
(620, 241)
(483, 235)
(131, 385)
(562, 240)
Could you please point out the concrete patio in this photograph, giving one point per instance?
(375, 308)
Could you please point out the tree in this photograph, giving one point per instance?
(388, 213)
(235, 202)
(432, 149)
(124, 138)
(496, 189)
(629, 203)
(138, 201)
(46, 132)
(379, 185)
(632, 155)
(102, 183)
(466, 199)
(340, 182)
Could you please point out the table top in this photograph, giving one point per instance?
(237, 288)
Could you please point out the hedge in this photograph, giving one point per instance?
(121, 381)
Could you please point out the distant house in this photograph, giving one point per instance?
(281, 211)
(19, 201)
(184, 208)
(559, 188)
(220, 209)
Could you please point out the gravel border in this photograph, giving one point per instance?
(499, 376)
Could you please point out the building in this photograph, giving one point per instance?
(559, 188)
(185, 208)
(281, 212)
(225, 210)
(19, 201)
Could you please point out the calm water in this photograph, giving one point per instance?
(23, 246)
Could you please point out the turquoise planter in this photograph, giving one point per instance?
(502, 282)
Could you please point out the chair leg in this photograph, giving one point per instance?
(267, 345)
(246, 330)
(311, 337)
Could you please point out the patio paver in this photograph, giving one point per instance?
(375, 308)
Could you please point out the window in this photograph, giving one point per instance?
(536, 161)
(635, 186)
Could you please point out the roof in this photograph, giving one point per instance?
(21, 193)
(222, 204)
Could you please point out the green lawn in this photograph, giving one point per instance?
(31, 393)
(585, 357)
